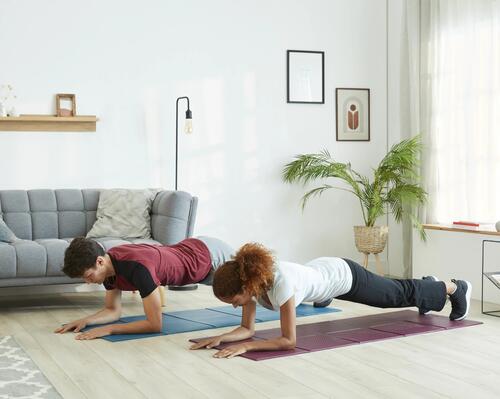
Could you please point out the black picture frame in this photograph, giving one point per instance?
(292, 97)
(343, 92)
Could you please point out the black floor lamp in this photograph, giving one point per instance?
(188, 129)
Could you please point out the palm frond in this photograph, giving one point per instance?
(309, 167)
(418, 226)
(394, 185)
(401, 161)
(318, 191)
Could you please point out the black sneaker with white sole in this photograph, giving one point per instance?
(423, 311)
(460, 300)
(323, 304)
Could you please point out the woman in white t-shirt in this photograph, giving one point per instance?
(254, 275)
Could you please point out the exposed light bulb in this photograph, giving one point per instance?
(188, 126)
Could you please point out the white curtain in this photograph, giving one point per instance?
(459, 108)
(409, 100)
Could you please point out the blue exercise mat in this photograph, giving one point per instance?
(263, 314)
(205, 319)
(208, 316)
(170, 325)
(309, 310)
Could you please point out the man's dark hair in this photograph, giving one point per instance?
(81, 255)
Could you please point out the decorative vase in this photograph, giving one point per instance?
(3, 110)
(370, 240)
(497, 226)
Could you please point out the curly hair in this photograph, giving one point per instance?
(251, 270)
(81, 255)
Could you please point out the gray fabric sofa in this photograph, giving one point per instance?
(46, 221)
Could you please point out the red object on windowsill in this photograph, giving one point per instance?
(465, 223)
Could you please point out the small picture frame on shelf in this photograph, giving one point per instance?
(65, 105)
(352, 114)
(305, 74)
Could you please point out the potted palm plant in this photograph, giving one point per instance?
(393, 189)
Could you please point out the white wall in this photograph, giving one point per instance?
(453, 254)
(128, 61)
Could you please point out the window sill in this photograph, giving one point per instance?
(447, 227)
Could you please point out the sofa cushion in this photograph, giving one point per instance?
(54, 249)
(6, 234)
(72, 223)
(172, 215)
(42, 201)
(90, 201)
(71, 216)
(16, 212)
(43, 206)
(20, 224)
(45, 224)
(7, 261)
(23, 258)
(110, 242)
(69, 200)
(31, 259)
(14, 201)
(124, 213)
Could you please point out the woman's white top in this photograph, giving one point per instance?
(316, 281)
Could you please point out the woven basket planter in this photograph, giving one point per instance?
(370, 240)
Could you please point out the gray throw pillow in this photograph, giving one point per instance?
(6, 234)
(123, 213)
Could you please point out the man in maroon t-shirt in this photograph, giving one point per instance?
(138, 267)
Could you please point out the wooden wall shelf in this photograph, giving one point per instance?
(48, 123)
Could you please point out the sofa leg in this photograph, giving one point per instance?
(162, 295)
(188, 287)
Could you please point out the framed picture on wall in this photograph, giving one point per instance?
(305, 74)
(352, 114)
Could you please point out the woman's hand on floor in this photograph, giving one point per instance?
(231, 351)
(207, 343)
(94, 333)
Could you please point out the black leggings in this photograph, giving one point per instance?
(382, 292)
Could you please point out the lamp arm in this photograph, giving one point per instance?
(177, 133)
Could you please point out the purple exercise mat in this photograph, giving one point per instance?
(337, 333)
(439, 321)
(263, 355)
(314, 343)
(226, 344)
(406, 328)
(364, 335)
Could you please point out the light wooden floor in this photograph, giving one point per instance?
(463, 363)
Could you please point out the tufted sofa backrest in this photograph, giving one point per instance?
(39, 214)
